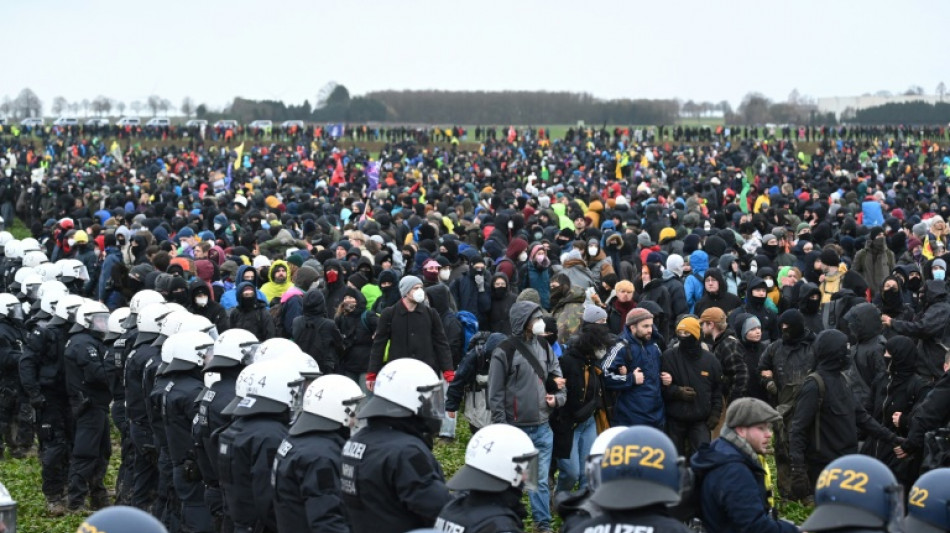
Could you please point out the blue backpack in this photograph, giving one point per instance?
(469, 327)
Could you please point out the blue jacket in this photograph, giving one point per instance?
(871, 214)
(229, 298)
(467, 297)
(732, 493)
(636, 404)
(699, 261)
(113, 257)
(538, 279)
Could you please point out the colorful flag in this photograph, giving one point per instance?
(372, 176)
(240, 156)
(927, 250)
(337, 130)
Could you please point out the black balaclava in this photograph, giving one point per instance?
(796, 326)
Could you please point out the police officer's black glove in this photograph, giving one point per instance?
(37, 402)
(192, 473)
(800, 486)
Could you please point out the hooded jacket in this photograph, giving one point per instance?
(929, 329)
(213, 311)
(316, 334)
(766, 316)
(864, 321)
(229, 298)
(722, 298)
(255, 319)
(874, 263)
(810, 310)
(357, 328)
(516, 394)
(272, 289)
(569, 312)
(498, 319)
(674, 286)
(817, 444)
(699, 262)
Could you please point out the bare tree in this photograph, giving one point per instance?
(27, 104)
(60, 105)
(85, 106)
(6, 108)
(101, 105)
(793, 97)
(166, 105)
(941, 90)
(154, 103)
(914, 90)
(74, 108)
(120, 107)
(136, 106)
(187, 106)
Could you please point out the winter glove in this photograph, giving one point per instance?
(712, 421)
(480, 283)
(800, 486)
(684, 394)
(370, 380)
(192, 473)
(771, 387)
(449, 375)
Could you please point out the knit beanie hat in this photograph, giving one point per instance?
(689, 325)
(637, 315)
(750, 323)
(594, 314)
(407, 283)
(829, 257)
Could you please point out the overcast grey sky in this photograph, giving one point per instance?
(213, 50)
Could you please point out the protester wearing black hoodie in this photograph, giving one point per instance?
(501, 301)
(356, 326)
(929, 329)
(809, 303)
(755, 304)
(251, 313)
(316, 334)
(719, 296)
(201, 303)
(825, 424)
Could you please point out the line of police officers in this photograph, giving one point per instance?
(222, 433)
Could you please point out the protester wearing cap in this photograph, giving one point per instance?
(632, 369)
(410, 328)
(723, 342)
(694, 394)
(734, 494)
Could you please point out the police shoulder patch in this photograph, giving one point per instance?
(170, 386)
(285, 447)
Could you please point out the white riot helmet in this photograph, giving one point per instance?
(66, 308)
(48, 271)
(230, 349)
(18, 276)
(91, 316)
(302, 363)
(498, 457)
(272, 349)
(34, 259)
(30, 285)
(5, 237)
(181, 320)
(30, 245)
(10, 307)
(272, 390)
(8, 507)
(406, 387)
(328, 405)
(115, 323)
(72, 269)
(597, 449)
(49, 294)
(148, 321)
(13, 249)
(140, 300)
(186, 351)
(243, 382)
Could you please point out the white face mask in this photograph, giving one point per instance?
(538, 327)
(592, 250)
(769, 283)
(201, 301)
(70, 242)
(523, 256)
(418, 296)
(444, 275)
(753, 267)
(217, 226)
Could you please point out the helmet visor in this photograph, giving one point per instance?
(99, 322)
(8, 518)
(15, 311)
(592, 469)
(32, 291)
(527, 467)
(432, 398)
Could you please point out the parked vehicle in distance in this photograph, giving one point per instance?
(32, 122)
(158, 123)
(287, 124)
(196, 123)
(261, 125)
(226, 124)
(66, 121)
(98, 122)
(129, 121)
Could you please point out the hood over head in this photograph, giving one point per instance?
(864, 320)
(314, 303)
(521, 312)
(699, 262)
(831, 350)
(903, 352)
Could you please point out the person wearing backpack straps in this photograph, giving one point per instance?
(730, 492)
(825, 423)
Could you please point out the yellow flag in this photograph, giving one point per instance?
(240, 156)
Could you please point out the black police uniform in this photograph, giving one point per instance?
(644, 520)
(211, 401)
(390, 480)
(166, 506)
(307, 483)
(145, 467)
(576, 507)
(89, 383)
(43, 376)
(483, 512)
(180, 410)
(246, 453)
(11, 348)
(115, 358)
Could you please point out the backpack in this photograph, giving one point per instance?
(277, 313)
(469, 326)
(821, 400)
(512, 283)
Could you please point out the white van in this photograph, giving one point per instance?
(158, 123)
(32, 122)
(129, 121)
(66, 121)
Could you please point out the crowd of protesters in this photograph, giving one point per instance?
(610, 277)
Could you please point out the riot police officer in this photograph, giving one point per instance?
(928, 504)
(44, 379)
(390, 480)
(115, 357)
(306, 470)
(89, 383)
(640, 476)
(500, 462)
(184, 372)
(11, 348)
(230, 351)
(246, 450)
(856, 493)
(574, 507)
